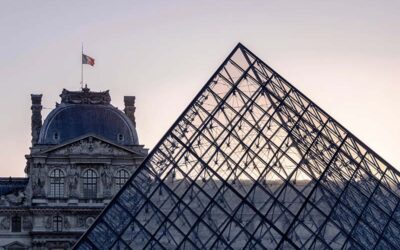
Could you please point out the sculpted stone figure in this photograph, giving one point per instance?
(5, 223)
(80, 221)
(73, 180)
(39, 180)
(47, 222)
(106, 178)
(38, 187)
(67, 225)
(16, 198)
(27, 223)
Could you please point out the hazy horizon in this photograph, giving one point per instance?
(344, 56)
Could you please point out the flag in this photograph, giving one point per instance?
(87, 60)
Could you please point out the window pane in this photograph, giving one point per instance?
(57, 183)
(90, 184)
(121, 177)
(57, 223)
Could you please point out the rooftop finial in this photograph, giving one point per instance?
(86, 89)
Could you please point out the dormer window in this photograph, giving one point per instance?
(120, 137)
(56, 136)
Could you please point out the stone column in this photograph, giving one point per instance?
(130, 108)
(36, 123)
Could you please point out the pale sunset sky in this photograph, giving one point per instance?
(344, 55)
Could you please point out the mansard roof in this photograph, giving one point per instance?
(83, 112)
(12, 184)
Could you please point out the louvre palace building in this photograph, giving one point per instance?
(250, 163)
(81, 155)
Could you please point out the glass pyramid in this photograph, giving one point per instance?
(252, 163)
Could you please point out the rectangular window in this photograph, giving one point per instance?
(57, 223)
(16, 224)
(89, 184)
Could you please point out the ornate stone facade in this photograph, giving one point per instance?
(69, 181)
(85, 97)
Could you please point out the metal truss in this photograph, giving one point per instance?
(252, 163)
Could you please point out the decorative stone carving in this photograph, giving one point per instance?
(16, 198)
(48, 222)
(90, 146)
(89, 221)
(80, 221)
(3, 200)
(67, 225)
(5, 223)
(106, 178)
(73, 180)
(85, 97)
(27, 223)
(38, 181)
(38, 188)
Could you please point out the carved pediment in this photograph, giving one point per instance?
(15, 245)
(90, 146)
(85, 96)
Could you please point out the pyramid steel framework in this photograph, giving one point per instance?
(252, 163)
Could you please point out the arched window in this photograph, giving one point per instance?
(57, 183)
(16, 223)
(121, 177)
(57, 223)
(90, 184)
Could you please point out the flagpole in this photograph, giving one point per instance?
(82, 68)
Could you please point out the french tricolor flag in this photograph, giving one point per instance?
(87, 60)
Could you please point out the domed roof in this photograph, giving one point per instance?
(85, 112)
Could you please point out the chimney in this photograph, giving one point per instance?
(36, 123)
(130, 108)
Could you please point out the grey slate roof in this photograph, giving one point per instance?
(12, 184)
(69, 121)
(87, 112)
